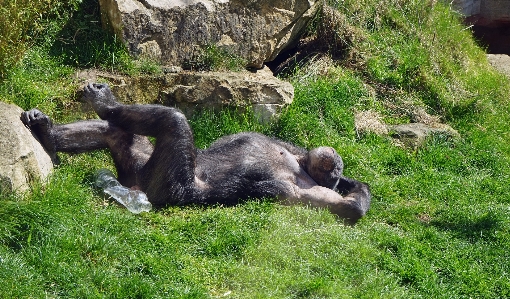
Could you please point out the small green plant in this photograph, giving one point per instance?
(146, 66)
(211, 125)
(213, 58)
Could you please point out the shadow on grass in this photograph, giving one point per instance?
(83, 42)
(21, 224)
(472, 230)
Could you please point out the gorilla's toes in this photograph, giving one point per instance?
(34, 117)
(101, 98)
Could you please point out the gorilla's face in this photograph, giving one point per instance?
(325, 166)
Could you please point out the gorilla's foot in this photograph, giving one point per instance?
(35, 117)
(101, 98)
(41, 125)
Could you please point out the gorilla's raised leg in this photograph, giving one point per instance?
(130, 152)
(168, 177)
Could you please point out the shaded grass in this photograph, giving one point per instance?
(21, 23)
(82, 42)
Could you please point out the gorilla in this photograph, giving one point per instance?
(174, 172)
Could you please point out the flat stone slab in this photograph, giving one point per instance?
(190, 91)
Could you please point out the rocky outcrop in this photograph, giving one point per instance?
(189, 91)
(22, 159)
(410, 135)
(175, 31)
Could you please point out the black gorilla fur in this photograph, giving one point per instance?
(174, 171)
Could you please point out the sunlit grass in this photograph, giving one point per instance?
(438, 226)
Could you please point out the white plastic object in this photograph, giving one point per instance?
(134, 200)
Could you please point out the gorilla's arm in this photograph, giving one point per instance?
(353, 205)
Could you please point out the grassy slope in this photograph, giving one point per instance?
(438, 227)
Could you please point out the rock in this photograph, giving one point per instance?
(501, 62)
(171, 69)
(22, 158)
(260, 90)
(489, 22)
(414, 134)
(189, 91)
(175, 31)
(411, 134)
(484, 12)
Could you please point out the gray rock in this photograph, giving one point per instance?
(174, 31)
(501, 62)
(22, 158)
(409, 134)
(413, 134)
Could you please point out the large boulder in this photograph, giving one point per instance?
(175, 31)
(22, 158)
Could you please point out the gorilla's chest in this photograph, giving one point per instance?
(246, 156)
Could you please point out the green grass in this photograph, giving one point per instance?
(24, 23)
(213, 58)
(439, 222)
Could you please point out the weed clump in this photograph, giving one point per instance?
(214, 58)
(336, 34)
(16, 18)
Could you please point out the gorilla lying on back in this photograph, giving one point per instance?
(174, 171)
